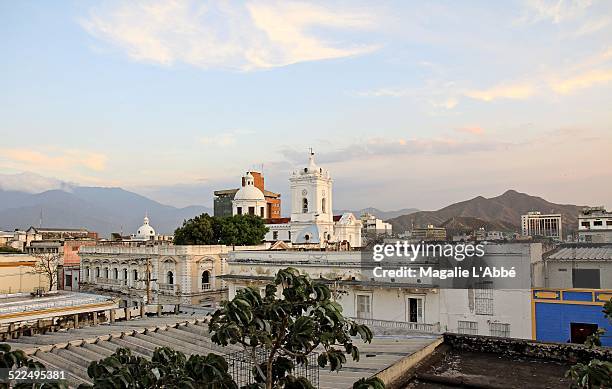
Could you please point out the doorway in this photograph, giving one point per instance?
(579, 332)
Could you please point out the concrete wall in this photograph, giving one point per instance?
(560, 272)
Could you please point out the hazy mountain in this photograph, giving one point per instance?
(505, 209)
(467, 224)
(378, 213)
(104, 210)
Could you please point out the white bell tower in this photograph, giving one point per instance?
(312, 219)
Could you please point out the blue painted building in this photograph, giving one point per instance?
(569, 315)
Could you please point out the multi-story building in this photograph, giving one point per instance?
(375, 226)
(18, 275)
(428, 234)
(536, 224)
(577, 283)
(225, 199)
(423, 305)
(156, 274)
(595, 225)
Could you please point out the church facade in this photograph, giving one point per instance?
(312, 222)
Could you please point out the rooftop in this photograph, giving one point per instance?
(72, 350)
(584, 252)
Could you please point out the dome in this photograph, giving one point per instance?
(249, 191)
(308, 234)
(145, 231)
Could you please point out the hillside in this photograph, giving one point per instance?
(104, 210)
(504, 210)
(377, 212)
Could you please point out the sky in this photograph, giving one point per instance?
(408, 103)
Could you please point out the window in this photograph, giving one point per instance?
(170, 278)
(483, 300)
(499, 329)
(364, 307)
(609, 223)
(261, 212)
(87, 273)
(205, 279)
(125, 274)
(289, 235)
(598, 223)
(105, 272)
(304, 205)
(135, 275)
(239, 210)
(275, 235)
(323, 206)
(68, 283)
(414, 309)
(585, 278)
(115, 273)
(97, 272)
(585, 224)
(306, 237)
(467, 327)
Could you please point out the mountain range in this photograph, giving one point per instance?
(378, 213)
(103, 210)
(502, 212)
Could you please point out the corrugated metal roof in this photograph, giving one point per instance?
(588, 253)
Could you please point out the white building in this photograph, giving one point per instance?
(312, 221)
(249, 199)
(422, 306)
(536, 224)
(595, 225)
(375, 226)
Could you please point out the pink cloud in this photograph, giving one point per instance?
(474, 130)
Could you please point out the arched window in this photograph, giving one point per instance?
(115, 273)
(304, 205)
(323, 206)
(135, 275)
(170, 278)
(125, 274)
(205, 279)
(105, 272)
(87, 273)
(97, 272)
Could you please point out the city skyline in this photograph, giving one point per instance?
(408, 105)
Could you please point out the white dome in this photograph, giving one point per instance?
(145, 231)
(249, 191)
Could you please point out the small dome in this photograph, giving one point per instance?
(145, 231)
(249, 191)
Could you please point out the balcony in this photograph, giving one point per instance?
(420, 327)
(110, 281)
(172, 288)
(206, 287)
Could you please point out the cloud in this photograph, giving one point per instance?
(224, 139)
(382, 147)
(516, 91)
(557, 11)
(57, 160)
(474, 130)
(580, 81)
(217, 34)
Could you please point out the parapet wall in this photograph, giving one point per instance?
(561, 352)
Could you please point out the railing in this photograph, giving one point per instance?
(206, 287)
(110, 281)
(167, 287)
(41, 305)
(421, 327)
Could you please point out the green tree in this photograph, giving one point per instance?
(166, 369)
(234, 230)
(198, 230)
(10, 250)
(17, 359)
(596, 373)
(288, 328)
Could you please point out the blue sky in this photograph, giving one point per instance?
(409, 104)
